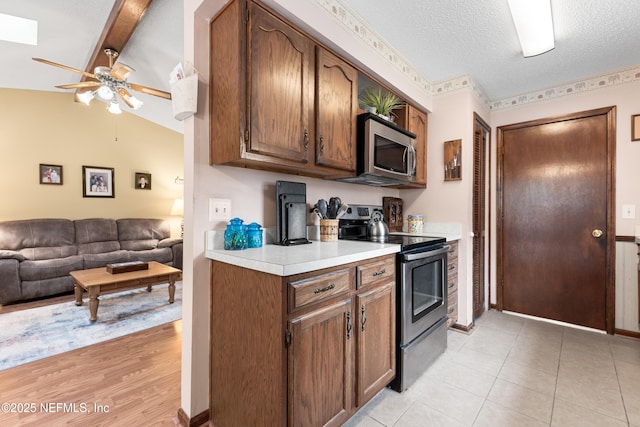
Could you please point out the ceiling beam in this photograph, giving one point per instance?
(120, 25)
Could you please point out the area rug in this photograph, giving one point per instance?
(41, 332)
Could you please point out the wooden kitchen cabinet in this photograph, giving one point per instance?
(452, 283)
(320, 368)
(266, 102)
(336, 110)
(303, 350)
(416, 121)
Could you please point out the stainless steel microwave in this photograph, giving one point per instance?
(386, 153)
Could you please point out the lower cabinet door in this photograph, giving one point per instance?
(320, 366)
(376, 350)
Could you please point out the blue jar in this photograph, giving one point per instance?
(235, 236)
(254, 235)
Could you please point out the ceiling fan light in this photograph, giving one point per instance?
(114, 108)
(135, 102)
(105, 93)
(534, 25)
(85, 97)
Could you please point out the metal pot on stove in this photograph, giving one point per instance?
(377, 230)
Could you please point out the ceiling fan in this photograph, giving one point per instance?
(111, 83)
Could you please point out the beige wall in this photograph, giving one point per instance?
(49, 127)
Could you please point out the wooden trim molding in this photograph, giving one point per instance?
(462, 328)
(200, 419)
(627, 333)
(631, 239)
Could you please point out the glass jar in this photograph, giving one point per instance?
(235, 236)
(254, 235)
(415, 224)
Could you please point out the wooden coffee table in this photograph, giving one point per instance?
(97, 280)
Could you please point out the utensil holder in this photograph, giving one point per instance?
(329, 230)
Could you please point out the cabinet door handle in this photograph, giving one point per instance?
(363, 311)
(325, 289)
(306, 139)
(321, 143)
(349, 325)
(378, 273)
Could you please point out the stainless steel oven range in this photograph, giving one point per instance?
(421, 299)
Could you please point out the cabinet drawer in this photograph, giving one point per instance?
(316, 289)
(381, 271)
(452, 269)
(452, 284)
(453, 252)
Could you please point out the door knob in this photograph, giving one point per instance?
(596, 233)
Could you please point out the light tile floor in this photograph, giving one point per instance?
(513, 371)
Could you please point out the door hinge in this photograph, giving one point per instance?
(287, 338)
(246, 13)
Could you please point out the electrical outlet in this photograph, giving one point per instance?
(629, 211)
(219, 209)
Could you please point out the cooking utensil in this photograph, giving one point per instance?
(334, 205)
(342, 210)
(322, 208)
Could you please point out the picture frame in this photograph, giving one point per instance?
(142, 181)
(50, 174)
(98, 181)
(635, 127)
(453, 160)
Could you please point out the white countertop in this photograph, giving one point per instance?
(288, 260)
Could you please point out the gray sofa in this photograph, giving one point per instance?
(37, 255)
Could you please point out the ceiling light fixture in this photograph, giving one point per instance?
(114, 108)
(105, 93)
(86, 97)
(534, 25)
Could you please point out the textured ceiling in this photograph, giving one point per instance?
(448, 38)
(441, 39)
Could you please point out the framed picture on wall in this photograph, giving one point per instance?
(142, 181)
(50, 174)
(635, 127)
(97, 182)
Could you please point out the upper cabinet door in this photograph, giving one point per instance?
(336, 109)
(418, 124)
(280, 81)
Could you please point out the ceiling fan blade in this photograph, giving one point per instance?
(64, 67)
(150, 91)
(125, 95)
(81, 84)
(120, 71)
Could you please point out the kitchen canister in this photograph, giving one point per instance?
(254, 235)
(415, 224)
(235, 236)
(329, 230)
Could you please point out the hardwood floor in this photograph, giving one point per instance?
(129, 381)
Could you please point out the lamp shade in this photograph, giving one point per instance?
(178, 207)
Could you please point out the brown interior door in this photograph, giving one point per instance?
(556, 233)
(481, 136)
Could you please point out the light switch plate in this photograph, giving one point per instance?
(628, 211)
(219, 209)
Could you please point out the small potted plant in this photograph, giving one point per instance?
(380, 102)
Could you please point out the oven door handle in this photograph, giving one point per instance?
(425, 254)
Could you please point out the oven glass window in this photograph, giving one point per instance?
(426, 288)
(390, 155)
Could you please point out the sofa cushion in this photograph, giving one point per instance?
(34, 270)
(38, 239)
(164, 255)
(96, 235)
(102, 259)
(143, 229)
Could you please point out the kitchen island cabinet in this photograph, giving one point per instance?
(271, 107)
(302, 350)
